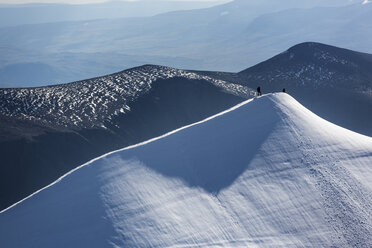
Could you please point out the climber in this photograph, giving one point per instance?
(259, 91)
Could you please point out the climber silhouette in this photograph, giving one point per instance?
(259, 91)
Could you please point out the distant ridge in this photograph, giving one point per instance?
(318, 65)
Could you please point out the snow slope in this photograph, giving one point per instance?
(287, 178)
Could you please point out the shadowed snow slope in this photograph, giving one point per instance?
(285, 178)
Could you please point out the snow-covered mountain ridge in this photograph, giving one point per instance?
(89, 103)
(285, 178)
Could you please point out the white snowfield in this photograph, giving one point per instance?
(267, 173)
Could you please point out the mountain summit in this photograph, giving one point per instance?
(267, 172)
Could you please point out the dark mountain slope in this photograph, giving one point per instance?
(48, 131)
(316, 65)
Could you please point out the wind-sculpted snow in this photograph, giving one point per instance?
(90, 103)
(284, 178)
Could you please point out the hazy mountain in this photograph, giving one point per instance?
(19, 14)
(347, 26)
(227, 37)
(47, 131)
(265, 173)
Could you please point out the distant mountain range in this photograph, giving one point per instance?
(33, 13)
(47, 131)
(228, 37)
(266, 173)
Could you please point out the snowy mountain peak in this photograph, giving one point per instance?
(267, 172)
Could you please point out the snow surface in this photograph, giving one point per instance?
(267, 173)
(89, 103)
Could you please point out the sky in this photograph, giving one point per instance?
(92, 1)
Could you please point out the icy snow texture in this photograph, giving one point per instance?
(91, 102)
(268, 173)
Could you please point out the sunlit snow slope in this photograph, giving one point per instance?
(284, 178)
